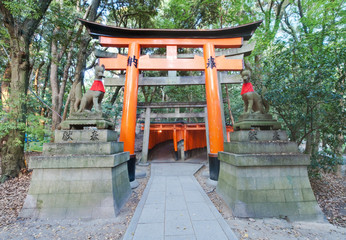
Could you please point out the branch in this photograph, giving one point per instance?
(30, 24)
(248, 65)
(292, 32)
(307, 133)
(278, 10)
(8, 19)
(64, 47)
(271, 5)
(93, 10)
(260, 4)
(145, 94)
(301, 14)
(92, 64)
(115, 95)
(153, 93)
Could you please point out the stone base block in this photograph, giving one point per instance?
(140, 175)
(257, 121)
(253, 135)
(134, 184)
(87, 135)
(90, 148)
(267, 186)
(211, 183)
(261, 147)
(86, 119)
(255, 117)
(85, 191)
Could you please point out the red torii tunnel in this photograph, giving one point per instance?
(193, 135)
(172, 39)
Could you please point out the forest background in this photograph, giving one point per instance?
(299, 58)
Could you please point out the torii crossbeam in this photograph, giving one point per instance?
(172, 39)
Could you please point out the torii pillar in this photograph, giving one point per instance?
(128, 119)
(213, 109)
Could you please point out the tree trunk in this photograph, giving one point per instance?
(309, 143)
(54, 82)
(12, 151)
(5, 88)
(229, 106)
(37, 74)
(76, 89)
(20, 32)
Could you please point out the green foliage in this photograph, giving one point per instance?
(11, 120)
(34, 127)
(23, 9)
(326, 160)
(187, 14)
(304, 75)
(133, 13)
(236, 102)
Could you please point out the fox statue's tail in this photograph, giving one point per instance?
(78, 96)
(264, 101)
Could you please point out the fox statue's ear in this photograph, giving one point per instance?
(103, 66)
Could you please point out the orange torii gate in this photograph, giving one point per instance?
(172, 39)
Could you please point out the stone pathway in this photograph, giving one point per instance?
(174, 206)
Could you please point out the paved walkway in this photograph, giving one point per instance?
(174, 206)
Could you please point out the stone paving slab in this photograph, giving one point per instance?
(174, 206)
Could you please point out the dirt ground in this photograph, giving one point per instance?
(331, 198)
(329, 191)
(12, 196)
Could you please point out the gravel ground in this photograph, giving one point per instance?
(280, 229)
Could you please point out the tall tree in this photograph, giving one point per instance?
(305, 75)
(62, 17)
(83, 53)
(21, 19)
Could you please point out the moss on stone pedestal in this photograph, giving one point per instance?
(78, 177)
(248, 121)
(266, 178)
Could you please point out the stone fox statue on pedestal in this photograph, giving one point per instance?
(94, 96)
(252, 100)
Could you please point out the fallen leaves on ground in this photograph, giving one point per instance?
(329, 190)
(12, 195)
(14, 191)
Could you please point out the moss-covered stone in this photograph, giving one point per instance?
(78, 180)
(266, 179)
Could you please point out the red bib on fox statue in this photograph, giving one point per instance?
(98, 86)
(247, 87)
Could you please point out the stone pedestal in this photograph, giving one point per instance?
(86, 119)
(262, 174)
(82, 175)
(249, 121)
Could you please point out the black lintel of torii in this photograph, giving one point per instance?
(245, 31)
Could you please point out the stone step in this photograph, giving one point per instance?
(78, 161)
(87, 135)
(269, 135)
(96, 148)
(261, 147)
(278, 159)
